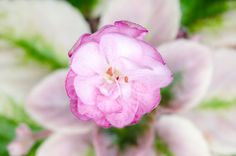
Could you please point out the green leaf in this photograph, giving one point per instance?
(7, 133)
(218, 104)
(196, 12)
(85, 6)
(91, 152)
(128, 136)
(12, 114)
(33, 150)
(14, 111)
(37, 48)
(161, 147)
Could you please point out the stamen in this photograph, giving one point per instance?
(109, 71)
(126, 79)
(117, 78)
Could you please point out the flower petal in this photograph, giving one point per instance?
(161, 17)
(219, 126)
(96, 64)
(56, 21)
(219, 129)
(86, 89)
(181, 136)
(115, 45)
(17, 77)
(192, 61)
(126, 116)
(48, 104)
(224, 61)
(66, 144)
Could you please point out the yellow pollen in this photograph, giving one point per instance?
(109, 71)
(126, 79)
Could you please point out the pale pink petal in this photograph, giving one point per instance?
(88, 60)
(126, 116)
(66, 144)
(161, 17)
(181, 136)
(122, 27)
(115, 45)
(106, 147)
(48, 104)
(147, 98)
(107, 105)
(223, 84)
(86, 89)
(219, 128)
(192, 62)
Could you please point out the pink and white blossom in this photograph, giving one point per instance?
(115, 76)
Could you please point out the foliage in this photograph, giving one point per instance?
(128, 136)
(161, 147)
(218, 104)
(196, 13)
(11, 115)
(85, 6)
(37, 48)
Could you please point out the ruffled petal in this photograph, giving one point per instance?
(107, 105)
(86, 89)
(115, 45)
(88, 60)
(127, 115)
(192, 62)
(48, 104)
(181, 136)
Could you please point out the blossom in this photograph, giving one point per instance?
(115, 76)
(23, 142)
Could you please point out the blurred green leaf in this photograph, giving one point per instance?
(196, 12)
(85, 6)
(12, 114)
(7, 133)
(37, 48)
(128, 136)
(91, 152)
(218, 104)
(33, 150)
(161, 147)
(14, 111)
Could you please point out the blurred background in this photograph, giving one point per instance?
(35, 37)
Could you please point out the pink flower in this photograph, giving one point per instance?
(115, 76)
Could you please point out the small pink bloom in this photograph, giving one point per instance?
(23, 141)
(115, 76)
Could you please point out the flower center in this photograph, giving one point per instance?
(113, 75)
